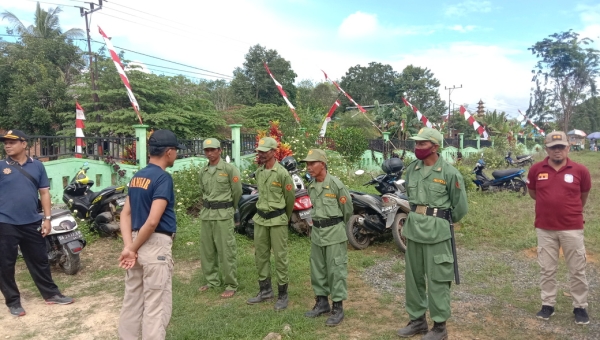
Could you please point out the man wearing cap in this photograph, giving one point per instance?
(560, 188)
(332, 208)
(220, 189)
(276, 196)
(436, 195)
(148, 225)
(21, 180)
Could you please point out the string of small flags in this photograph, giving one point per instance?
(469, 118)
(328, 117)
(283, 94)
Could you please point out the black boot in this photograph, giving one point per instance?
(265, 293)
(414, 327)
(438, 332)
(337, 314)
(282, 298)
(321, 307)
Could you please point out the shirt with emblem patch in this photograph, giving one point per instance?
(558, 203)
(220, 183)
(275, 191)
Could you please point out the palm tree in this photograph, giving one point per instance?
(46, 25)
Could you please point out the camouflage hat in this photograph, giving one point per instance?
(556, 138)
(211, 143)
(428, 134)
(266, 144)
(315, 155)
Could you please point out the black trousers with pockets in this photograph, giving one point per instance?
(33, 248)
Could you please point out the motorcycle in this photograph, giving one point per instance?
(102, 208)
(64, 242)
(301, 219)
(509, 179)
(378, 215)
(522, 160)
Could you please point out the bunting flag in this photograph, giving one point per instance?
(469, 118)
(283, 94)
(328, 117)
(402, 125)
(420, 116)
(360, 108)
(540, 131)
(79, 126)
(119, 66)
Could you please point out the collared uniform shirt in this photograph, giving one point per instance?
(275, 191)
(330, 199)
(220, 183)
(443, 188)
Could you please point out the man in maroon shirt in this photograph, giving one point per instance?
(560, 189)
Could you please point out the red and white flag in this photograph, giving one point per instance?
(420, 116)
(283, 94)
(541, 132)
(79, 126)
(360, 108)
(119, 66)
(402, 125)
(469, 118)
(328, 118)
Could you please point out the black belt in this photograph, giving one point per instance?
(327, 222)
(435, 212)
(270, 214)
(217, 205)
(168, 233)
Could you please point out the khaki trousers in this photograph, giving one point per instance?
(571, 241)
(148, 302)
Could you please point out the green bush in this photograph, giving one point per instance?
(187, 189)
(350, 142)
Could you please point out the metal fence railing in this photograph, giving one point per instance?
(469, 143)
(248, 143)
(485, 143)
(194, 148)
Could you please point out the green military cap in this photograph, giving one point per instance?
(429, 134)
(211, 143)
(266, 144)
(315, 155)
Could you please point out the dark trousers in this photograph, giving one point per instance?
(33, 248)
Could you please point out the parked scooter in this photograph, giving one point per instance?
(64, 242)
(522, 160)
(102, 209)
(301, 220)
(371, 219)
(509, 179)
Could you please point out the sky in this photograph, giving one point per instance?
(479, 45)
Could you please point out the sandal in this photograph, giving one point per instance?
(204, 288)
(227, 294)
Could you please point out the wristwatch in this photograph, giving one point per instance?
(47, 218)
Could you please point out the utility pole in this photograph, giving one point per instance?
(449, 101)
(84, 13)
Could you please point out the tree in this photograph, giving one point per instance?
(587, 115)
(252, 84)
(564, 77)
(421, 88)
(46, 25)
(370, 83)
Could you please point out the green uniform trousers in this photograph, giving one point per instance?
(218, 249)
(265, 239)
(329, 270)
(434, 263)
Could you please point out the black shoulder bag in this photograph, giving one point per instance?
(19, 168)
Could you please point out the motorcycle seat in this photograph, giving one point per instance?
(373, 199)
(246, 198)
(504, 173)
(523, 156)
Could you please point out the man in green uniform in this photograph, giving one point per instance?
(276, 196)
(436, 194)
(220, 189)
(332, 208)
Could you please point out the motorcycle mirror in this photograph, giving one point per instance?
(227, 159)
(85, 164)
(359, 172)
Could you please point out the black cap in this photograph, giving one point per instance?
(14, 135)
(164, 138)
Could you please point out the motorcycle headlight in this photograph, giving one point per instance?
(65, 225)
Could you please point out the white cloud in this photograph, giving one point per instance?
(461, 28)
(469, 6)
(358, 25)
(590, 17)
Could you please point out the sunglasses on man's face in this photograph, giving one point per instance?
(557, 147)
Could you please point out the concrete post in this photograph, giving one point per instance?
(140, 145)
(478, 142)
(386, 136)
(461, 138)
(236, 148)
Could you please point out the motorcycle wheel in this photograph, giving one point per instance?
(249, 230)
(356, 239)
(519, 186)
(400, 240)
(69, 262)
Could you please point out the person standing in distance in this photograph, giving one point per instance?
(273, 211)
(21, 180)
(148, 225)
(220, 189)
(560, 188)
(332, 208)
(436, 194)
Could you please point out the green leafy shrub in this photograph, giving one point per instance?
(350, 142)
(187, 190)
